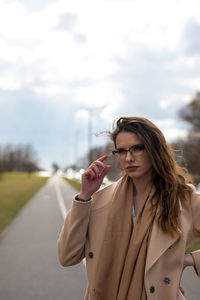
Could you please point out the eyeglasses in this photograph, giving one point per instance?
(135, 150)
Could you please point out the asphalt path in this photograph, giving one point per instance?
(191, 284)
(29, 266)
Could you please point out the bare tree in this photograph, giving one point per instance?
(18, 158)
(191, 113)
(191, 146)
(55, 167)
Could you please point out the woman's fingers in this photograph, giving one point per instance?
(89, 173)
(99, 164)
(93, 176)
(99, 161)
(104, 172)
(182, 290)
(102, 158)
(93, 170)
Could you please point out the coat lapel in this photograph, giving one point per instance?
(159, 243)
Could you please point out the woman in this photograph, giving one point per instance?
(134, 232)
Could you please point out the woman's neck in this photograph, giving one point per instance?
(140, 185)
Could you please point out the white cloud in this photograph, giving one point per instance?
(165, 123)
(9, 82)
(183, 63)
(34, 38)
(164, 104)
(102, 94)
(111, 112)
(190, 42)
(82, 115)
(171, 128)
(51, 90)
(182, 98)
(193, 82)
(25, 24)
(172, 134)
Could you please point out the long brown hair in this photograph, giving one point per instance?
(167, 175)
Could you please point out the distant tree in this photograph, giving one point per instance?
(55, 167)
(20, 158)
(191, 150)
(29, 159)
(191, 113)
(191, 146)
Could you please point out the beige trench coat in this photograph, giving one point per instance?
(83, 233)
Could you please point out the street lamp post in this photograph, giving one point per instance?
(76, 148)
(90, 158)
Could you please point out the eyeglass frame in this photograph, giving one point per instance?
(125, 151)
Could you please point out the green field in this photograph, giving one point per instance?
(76, 184)
(195, 245)
(15, 190)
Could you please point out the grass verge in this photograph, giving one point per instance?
(195, 245)
(75, 183)
(15, 191)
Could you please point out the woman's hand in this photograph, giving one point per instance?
(92, 178)
(188, 262)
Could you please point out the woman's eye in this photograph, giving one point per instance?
(137, 148)
(121, 151)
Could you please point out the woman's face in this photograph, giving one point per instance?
(137, 164)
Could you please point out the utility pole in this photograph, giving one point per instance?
(76, 144)
(90, 158)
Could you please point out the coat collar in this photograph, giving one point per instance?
(159, 243)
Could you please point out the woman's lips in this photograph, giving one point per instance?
(132, 168)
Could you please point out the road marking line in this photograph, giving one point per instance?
(60, 200)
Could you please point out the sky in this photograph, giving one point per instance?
(64, 63)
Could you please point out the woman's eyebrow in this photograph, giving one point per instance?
(120, 148)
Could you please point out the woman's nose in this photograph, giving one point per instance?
(129, 156)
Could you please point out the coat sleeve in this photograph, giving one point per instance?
(72, 239)
(195, 204)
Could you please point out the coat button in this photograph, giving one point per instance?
(152, 289)
(90, 254)
(166, 280)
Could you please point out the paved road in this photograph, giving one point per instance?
(191, 284)
(29, 267)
